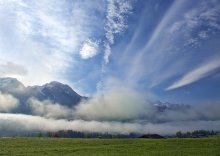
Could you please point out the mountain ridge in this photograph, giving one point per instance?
(54, 91)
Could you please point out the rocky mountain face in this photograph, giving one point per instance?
(10, 85)
(56, 92)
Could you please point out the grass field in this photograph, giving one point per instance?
(111, 147)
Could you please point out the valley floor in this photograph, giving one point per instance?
(109, 147)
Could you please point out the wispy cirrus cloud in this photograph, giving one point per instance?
(196, 74)
(177, 37)
(117, 11)
(198, 24)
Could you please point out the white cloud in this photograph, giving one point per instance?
(89, 49)
(48, 109)
(24, 123)
(116, 23)
(196, 74)
(117, 11)
(11, 69)
(203, 34)
(46, 35)
(116, 104)
(44, 20)
(198, 23)
(7, 102)
(107, 53)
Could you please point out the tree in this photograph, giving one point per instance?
(179, 134)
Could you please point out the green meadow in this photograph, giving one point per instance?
(109, 147)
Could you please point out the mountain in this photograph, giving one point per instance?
(11, 85)
(165, 106)
(54, 91)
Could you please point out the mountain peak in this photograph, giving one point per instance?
(8, 80)
(6, 83)
(56, 83)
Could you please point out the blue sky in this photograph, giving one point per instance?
(167, 49)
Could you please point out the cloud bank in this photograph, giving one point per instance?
(130, 105)
(7, 102)
(115, 110)
(48, 109)
(26, 123)
(117, 104)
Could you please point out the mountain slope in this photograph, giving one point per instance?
(56, 92)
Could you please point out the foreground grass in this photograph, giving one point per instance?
(110, 147)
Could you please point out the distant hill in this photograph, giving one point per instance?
(152, 136)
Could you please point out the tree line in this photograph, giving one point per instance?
(196, 134)
(77, 134)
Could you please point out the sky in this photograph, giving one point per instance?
(166, 49)
(129, 56)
